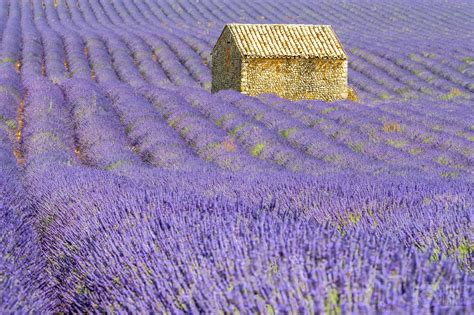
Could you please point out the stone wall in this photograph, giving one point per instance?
(295, 78)
(226, 64)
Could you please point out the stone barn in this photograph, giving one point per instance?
(294, 61)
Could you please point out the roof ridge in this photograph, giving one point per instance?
(285, 24)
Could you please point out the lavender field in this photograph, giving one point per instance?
(127, 187)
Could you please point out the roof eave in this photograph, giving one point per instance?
(294, 57)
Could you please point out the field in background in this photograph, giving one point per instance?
(126, 186)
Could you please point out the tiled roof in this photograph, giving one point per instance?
(287, 41)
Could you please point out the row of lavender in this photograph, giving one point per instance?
(23, 283)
